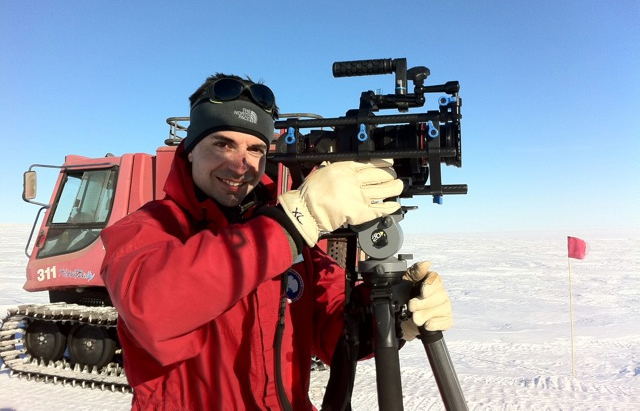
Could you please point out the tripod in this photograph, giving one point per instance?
(384, 305)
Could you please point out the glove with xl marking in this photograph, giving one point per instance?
(432, 307)
(349, 192)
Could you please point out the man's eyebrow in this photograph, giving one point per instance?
(222, 139)
(228, 140)
(259, 145)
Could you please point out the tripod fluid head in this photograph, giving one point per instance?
(380, 240)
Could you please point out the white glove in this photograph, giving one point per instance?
(344, 192)
(432, 308)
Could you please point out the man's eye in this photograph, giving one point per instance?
(221, 144)
(258, 150)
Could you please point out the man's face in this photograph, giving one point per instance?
(227, 165)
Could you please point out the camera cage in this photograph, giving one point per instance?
(418, 143)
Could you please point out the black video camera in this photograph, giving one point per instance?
(418, 143)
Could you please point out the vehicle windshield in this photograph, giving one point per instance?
(80, 212)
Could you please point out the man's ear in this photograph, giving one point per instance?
(190, 156)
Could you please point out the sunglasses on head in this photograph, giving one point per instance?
(228, 89)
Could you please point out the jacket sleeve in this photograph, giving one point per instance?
(329, 294)
(166, 289)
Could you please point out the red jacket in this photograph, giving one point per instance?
(198, 300)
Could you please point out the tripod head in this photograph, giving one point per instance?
(380, 239)
(381, 270)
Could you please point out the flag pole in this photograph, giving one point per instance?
(573, 361)
(576, 248)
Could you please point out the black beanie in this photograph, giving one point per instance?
(236, 115)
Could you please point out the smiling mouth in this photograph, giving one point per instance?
(230, 183)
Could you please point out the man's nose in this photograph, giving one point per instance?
(238, 160)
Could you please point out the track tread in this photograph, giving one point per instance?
(15, 357)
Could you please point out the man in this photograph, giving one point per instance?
(222, 296)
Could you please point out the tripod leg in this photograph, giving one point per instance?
(387, 358)
(337, 395)
(443, 370)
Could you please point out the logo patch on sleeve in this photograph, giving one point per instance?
(295, 285)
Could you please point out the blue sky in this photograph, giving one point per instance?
(550, 89)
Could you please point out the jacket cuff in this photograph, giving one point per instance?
(277, 213)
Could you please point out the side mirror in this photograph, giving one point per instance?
(30, 185)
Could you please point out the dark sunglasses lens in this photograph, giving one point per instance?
(227, 89)
(263, 95)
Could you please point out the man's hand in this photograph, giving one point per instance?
(431, 309)
(349, 192)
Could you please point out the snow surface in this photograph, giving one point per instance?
(511, 339)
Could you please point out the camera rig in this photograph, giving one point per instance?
(419, 143)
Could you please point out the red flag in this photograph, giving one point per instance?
(577, 248)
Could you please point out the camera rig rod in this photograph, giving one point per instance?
(297, 123)
(408, 153)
